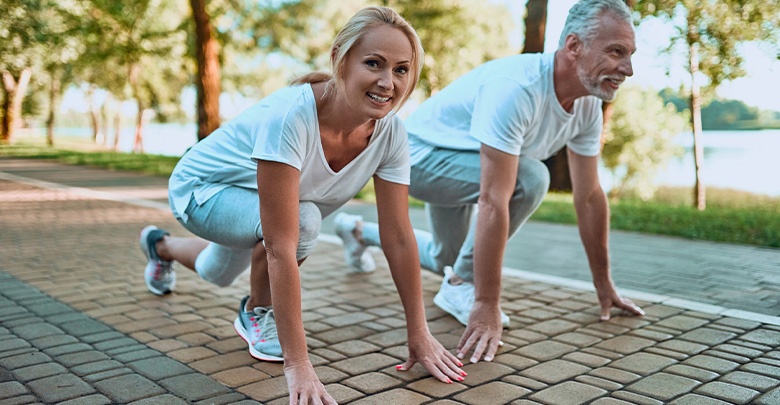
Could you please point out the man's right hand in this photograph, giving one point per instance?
(483, 333)
(304, 386)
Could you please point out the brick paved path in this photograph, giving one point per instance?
(77, 324)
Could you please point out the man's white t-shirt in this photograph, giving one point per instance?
(283, 127)
(508, 104)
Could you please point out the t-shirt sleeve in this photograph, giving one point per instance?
(501, 115)
(281, 139)
(588, 141)
(395, 163)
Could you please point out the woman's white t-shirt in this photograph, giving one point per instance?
(283, 128)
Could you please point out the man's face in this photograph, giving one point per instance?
(605, 62)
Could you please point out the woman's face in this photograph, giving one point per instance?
(377, 71)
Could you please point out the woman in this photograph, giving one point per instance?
(300, 154)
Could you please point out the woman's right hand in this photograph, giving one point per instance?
(304, 386)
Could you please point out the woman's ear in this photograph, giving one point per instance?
(333, 52)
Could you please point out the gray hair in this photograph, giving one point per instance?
(583, 19)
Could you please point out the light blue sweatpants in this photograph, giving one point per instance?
(448, 181)
(230, 221)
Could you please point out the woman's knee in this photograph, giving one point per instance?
(310, 224)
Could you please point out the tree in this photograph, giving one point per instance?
(638, 139)
(711, 31)
(24, 24)
(207, 80)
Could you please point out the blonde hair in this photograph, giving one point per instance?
(354, 30)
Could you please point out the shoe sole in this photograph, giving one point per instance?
(371, 266)
(252, 351)
(444, 306)
(145, 249)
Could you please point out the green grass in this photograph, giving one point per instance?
(731, 216)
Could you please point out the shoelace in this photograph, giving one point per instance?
(258, 330)
(161, 270)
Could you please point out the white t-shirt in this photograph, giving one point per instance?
(508, 104)
(283, 127)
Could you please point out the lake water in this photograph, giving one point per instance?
(740, 160)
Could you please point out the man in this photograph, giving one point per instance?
(480, 141)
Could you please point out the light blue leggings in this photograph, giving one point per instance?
(230, 221)
(448, 181)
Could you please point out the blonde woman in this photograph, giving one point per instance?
(298, 155)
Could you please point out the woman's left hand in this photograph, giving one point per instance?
(427, 351)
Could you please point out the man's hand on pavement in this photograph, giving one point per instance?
(609, 297)
(484, 331)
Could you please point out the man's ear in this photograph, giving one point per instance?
(573, 45)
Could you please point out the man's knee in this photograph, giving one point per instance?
(310, 224)
(533, 179)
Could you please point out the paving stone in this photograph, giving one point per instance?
(621, 376)
(68, 386)
(587, 359)
(577, 339)
(696, 399)
(764, 369)
(667, 353)
(95, 399)
(529, 383)
(75, 359)
(233, 398)
(36, 330)
(39, 371)
(482, 372)
(365, 363)
(750, 380)
(265, 390)
(24, 360)
(515, 361)
(553, 327)
(609, 401)
(492, 393)
(67, 349)
(165, 399)
(708, 336)
(555, 371)
(763, 336)
(692, 372)
(663, 386)
(371, 383)
(636, 398)
(355, 348)
(599, 382)
(239, 376)
(341, 393)
(715, 364)
(11, 389)
(568, 393)
(642, 363)
(682, 346)
(193, 387)
(129, 387)
(728, 392)
(96, 367)
(395, 396)
(103, 375)
(545, 350)
(53, 341)
(682, 322)
(625, 344)
(769, 398)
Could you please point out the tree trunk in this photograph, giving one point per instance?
(138, 141)
(12, 103)
(105, 111)
(117, 127)
(699, 193)
(93, 118)
(54, 103)
(535, 25)
(208, 82)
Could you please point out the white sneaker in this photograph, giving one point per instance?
(258, 328)
(457, 300)
(354, 250)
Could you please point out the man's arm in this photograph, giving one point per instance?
(497, 183)
(593, 222)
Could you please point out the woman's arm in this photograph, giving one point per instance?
(400, 249)
(277, 185)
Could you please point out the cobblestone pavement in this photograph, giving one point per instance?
(78, 326)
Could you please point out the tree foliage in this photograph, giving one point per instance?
(639, 140)
(710, 31)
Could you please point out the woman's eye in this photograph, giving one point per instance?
(372, 63)
(402, 70)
